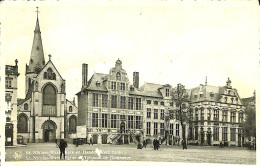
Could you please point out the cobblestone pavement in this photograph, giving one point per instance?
(194, 154)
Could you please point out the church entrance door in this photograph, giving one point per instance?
(49, 131)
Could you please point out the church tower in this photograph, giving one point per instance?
(37, 60)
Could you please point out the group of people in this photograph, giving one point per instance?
(156, 144)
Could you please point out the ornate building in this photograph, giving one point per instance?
(11, 76)
(45, 115)
(218, 113)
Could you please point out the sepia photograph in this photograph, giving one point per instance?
(171, 82)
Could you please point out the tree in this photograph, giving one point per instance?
(249, 126)
(183, 111)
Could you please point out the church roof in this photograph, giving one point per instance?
(37, 60)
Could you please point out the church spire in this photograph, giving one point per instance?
(37, 60)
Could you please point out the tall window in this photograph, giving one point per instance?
(104, 120)
(148, 128)
(113, 85)
(131, 103)
(171, 114)
(224, 133)
(216, 133)
(202, 114)
(70, 108)
(233, 117)
(25, 106)
(8, 82)
(209, 114)
(196, 132)
(113, 121)
(138, 122)
(95, 100)
(22, 124)
(104, 100)
(94, 119)
(196, 114)
(224, 115)
(155, 114)
(138, 103)
(240, 118)
(122, 86)
(155, 127)
(148, 113)
(118, 76)
(177, 130)
(162, 128)
(162, 114)
(216, 115)
(232, 134)
(130, 121)
(113, 101)
(167, 92)
(171, 128)
(49, 101)
(72, 124)
(122, 102)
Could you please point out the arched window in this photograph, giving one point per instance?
(54, 76)
(70, 109)
(49, 71)
(25, 106)
(118, 76)
(8, 119)
(22, 124)
(49, 101)
(45, 75)
(72, 124)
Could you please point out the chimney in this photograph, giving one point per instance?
(136, 79)
(74, 100)
(84, 75)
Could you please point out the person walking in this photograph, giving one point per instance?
(154, 144)
(157, 144)
(144, 143)
(183, 142)
(63, 145)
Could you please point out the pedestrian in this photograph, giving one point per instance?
(183, 144)
(90, 141)
(139, 145)
(144, 143)
(63, 145)
(157, 144)
(154, 144)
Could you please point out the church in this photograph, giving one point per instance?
(44, 115)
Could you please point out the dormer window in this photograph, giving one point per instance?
(201, 95)
(162, 103)
(229, 92)
(211, 94)
(98, 84)
(195, 96)
(155, 102)
(149, 102)
(167, 92)
(132, 88)
(118, 76)
(232, 99)
(225, 99)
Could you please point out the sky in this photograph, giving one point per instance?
(165, 41)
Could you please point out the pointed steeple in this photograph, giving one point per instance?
(37, 60)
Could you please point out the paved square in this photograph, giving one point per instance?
(194, 154)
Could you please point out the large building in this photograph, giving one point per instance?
(11, 77)
(112, 110)
(45, 115)
(218, 113)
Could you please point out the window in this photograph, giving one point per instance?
(49, 75)
(201, 95)
(162, 114)
(104, 120)
(98, 84)
(209, 115)
(149, 113)
(155, 114)
(177, 130)
(232, 100)
(94, 119)
(95, 100)
(155, 102)
(130, 121)
(216, 133)
(104, 100)
(241, 118)
(70, 108)
(45, 75)
(196, 114)
(202, 114)
(122, 117)
(148, 128)
(138, 103)
(171, 114)
(72, 124)
(8, 82)
(224, 133)
(113, 85)
(196, 132)
(167, 92)
(49, 101)
(171, 128)
(118, 76)
(216, 115)
(232, 134)
(54, 76)
(122, 102)
(211, 94)
(162, 128)
(171, 103)
(131, 103)
(233, 117)
(224, 116)
(113, 101)
(113, 121)
(138, 122)
(162, 103)
(149, 102)
(122, 86)
(22, 124)
(155, 127)
(25, 106)
(225, 99)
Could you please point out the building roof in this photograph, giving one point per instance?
(97, 82)
(206, 91)
(152, 90)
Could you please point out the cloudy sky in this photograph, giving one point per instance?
(167, 42)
